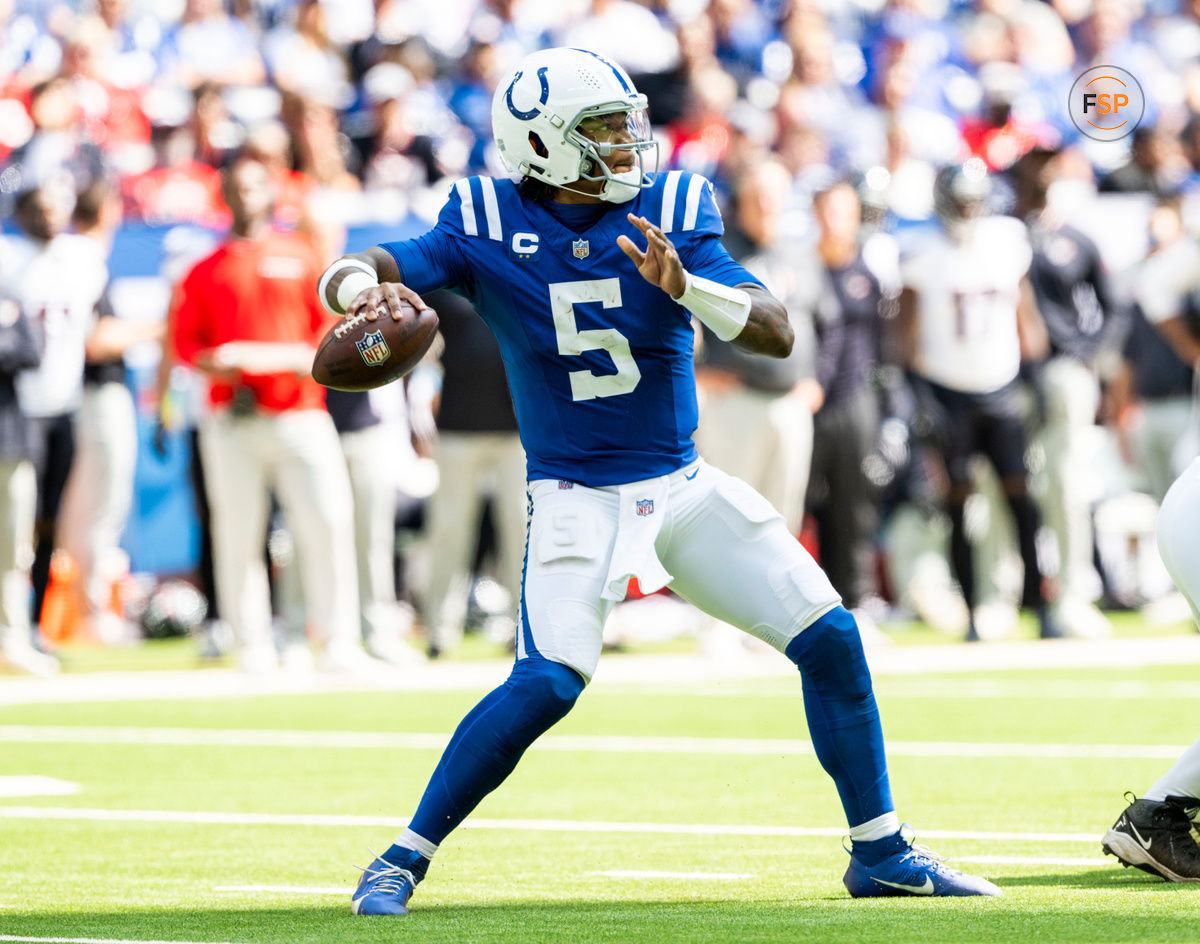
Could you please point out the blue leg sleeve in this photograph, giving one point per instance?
(843, 719)
(491, 739)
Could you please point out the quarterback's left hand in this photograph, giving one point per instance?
(659, 264)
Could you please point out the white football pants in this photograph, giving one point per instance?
(709, 536)
(100, 489)
(297, 455)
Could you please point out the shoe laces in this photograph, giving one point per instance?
(390, 878)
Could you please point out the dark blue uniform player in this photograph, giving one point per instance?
(588, 271)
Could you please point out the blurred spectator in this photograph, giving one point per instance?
(755, 413)
(268, 143)
(179, 189)
(209, 46)
(59, 147)
(57, 278)
(400, 156)
(248, 318)
(99, 492)
(214, 134)
(28, 54)
(1157, 164)
(303, 60)
(19, 351)
(1000, 134)
(365, 446)
(1077, 304)
(111, 114)
(1150, 406)
(321, 150)
(626, 32)
(846, 428)
(471, 99)
(1168, 294)
(968, 319)
(479, 456)
(129, 60)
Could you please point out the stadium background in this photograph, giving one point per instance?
(374, 108)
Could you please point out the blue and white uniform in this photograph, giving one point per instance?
(600, 365)
(599, 360)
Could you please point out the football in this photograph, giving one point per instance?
(357, 354)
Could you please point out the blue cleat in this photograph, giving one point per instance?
(915, 871)
(386, 887)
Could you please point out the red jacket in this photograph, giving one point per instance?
(261, 289)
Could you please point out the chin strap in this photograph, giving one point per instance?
(723, 308)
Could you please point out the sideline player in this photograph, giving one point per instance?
(1155, 833)
(586, 271)
(967, 320)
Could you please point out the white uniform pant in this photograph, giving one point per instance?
(100, 490)
(1179, 535)
(374, 492)
(765, 439)
(709, 536)
(18, 508)
(297, 455)
(470, 466)
(1072, 396)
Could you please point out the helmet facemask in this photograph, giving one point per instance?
(599, 133)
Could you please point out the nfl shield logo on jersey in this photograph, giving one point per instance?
(373, 348)
(580, 248)
(645, 506)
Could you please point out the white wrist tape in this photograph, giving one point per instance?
(724, 309)
(360, 277)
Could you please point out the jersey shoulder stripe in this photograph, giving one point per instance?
(482, 214)
(688, 204)
(670, 189)
(692, 206)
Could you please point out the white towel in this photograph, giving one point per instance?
(641, 511)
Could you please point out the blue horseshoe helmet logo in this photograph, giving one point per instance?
(542, 98)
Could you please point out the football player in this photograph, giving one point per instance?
(1156, 832)
(589, 270)
(967, 320)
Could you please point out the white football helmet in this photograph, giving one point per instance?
(538, 110)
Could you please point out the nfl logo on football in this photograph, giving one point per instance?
(645, 506)
(580, 248)
(373, 348)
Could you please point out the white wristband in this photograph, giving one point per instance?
(722, 308)
(362, 277)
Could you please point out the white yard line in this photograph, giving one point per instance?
(28, 785)
(586, 743)
(696, 876)
(93, 940)
(288, 889)
(655, 672)
(520, 825)
(1030, 860)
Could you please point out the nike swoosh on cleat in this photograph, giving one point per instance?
(1145, 843)
(926, 889)
(692, 476)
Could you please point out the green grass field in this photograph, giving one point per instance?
(632, 823)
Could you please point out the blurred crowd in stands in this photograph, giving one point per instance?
(823, 125)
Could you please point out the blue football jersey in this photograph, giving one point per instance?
(599, 361)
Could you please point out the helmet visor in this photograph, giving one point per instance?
(613, 130)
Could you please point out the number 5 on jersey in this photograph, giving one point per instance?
(572, 342)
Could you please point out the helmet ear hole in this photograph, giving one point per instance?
(539, 148)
